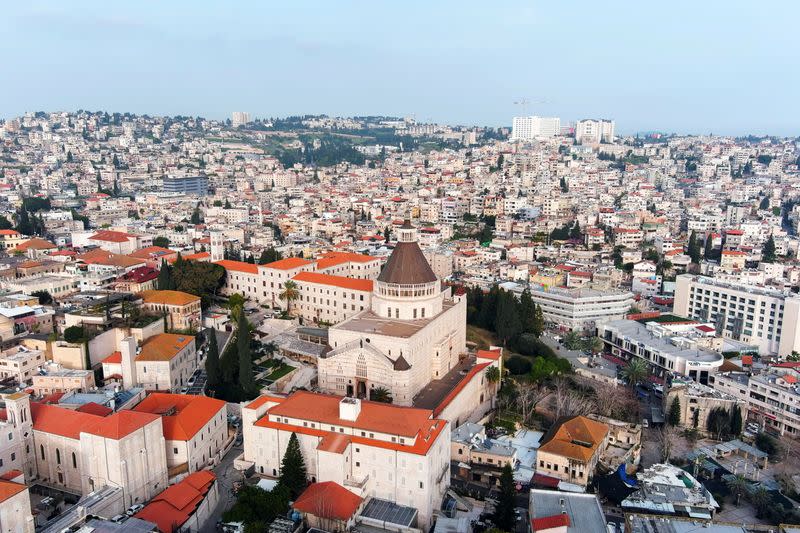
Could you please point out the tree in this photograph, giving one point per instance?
(5, 223)
(737, 485)
(635, 371)
(196, 218)
(386, 234)
(44, 297)
(767, 444)
(380, 394)
(593, 344)
(199, 278)
(718, 422)
(693, 249)
(235, 305)
(293, 468)
(246, 380)
(764, 204)
(666, 438)
(761, 499)
(504, 517)
(493, 374)
(736, 421)
(74, 334)
(768, 252)
(529, 395)
(269, 255)
(213, 369)
(674, 413)
(290, 293)
(708, 252)
(527, 312)
(572, 341)
(164, 282)
(538, 321)
(507, 323)
(161, 241)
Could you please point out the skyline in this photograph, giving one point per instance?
(699, 71)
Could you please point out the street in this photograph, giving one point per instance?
(226, 475)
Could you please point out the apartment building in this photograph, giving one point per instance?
(61, 379)
(378, 450)
(20, 363)
(571, 450)
(330, 299)
(582, 308)
(195, 428)
(664, 350)
(591, 131)
(753, 315)
(696, 402)
(772, 397)
(533, 127)
(182, 309)
(165, 361)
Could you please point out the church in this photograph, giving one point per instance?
(413, 333)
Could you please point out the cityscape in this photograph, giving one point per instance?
(267, 321)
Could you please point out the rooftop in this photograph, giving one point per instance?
(182, 415)
(369, 322)
(584, 511)
(163, 347)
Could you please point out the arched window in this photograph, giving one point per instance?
(58, 456)
(41, 448)
(74, 461)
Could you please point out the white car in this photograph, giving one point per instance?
(133, 509)
(191, 381)
(120, 518)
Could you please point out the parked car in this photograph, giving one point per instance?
(191, 381)
(133, 509)
(184, 390)
(120, 518)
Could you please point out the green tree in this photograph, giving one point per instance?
(256, 507)
(493, 374)
(196, 218)
(674, 413)
(213, 369)
(764, 205)
(235, 305)
(572, 341)
(164, 282)
(289, 294)
(507, 324)
(635, 371)
(504, 517)
(736, 421)
(593, 344)
(538, 321)
(767, 444)
(5, 223)
(708, 252)
(293, 468)
(246, 380)
(768, 252)
(380, 394)
(199, 278)
(693, 249)
(386, 234)
(269, 255)
(163, 242)
(527, 312)
(737, 485)
(74, 334)
(44, 297)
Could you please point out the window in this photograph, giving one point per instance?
(41, 448)
(58, 456)
(175, 451)
(74, 461)
(13, 456)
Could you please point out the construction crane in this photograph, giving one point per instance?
(523, 103)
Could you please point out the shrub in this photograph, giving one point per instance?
(518, 365)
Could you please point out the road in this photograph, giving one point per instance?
(226, 475)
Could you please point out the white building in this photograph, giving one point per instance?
(583, 308)
(591, 131)
(764, 317)
(529, 128)
(239, 118)
(399, 454)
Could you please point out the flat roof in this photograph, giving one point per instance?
(386, 511)
(369, 322)
(584, 510)
(640, 333)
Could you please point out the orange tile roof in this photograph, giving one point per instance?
(337, 258)
(60, 421)
(120, 424)
(374, 416)
(494, 355)
(197, 257)
(328, 500)
(335, 281)
(35, 244)
(334, 443)
(95, 409)
(149, 252)
(168, 297)
(261, 400)
(173, 507)
(287, 264)
(9, 489)
(566, 436)
(550, 522)
(8, 232)
(104, 257)
(238, 266)
(191, 413)
(115, 357)
(163, 347)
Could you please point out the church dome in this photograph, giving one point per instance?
(407, 264)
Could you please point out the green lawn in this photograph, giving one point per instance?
(279, 372)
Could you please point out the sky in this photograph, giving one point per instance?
(701, 66)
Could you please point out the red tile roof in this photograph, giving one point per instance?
(95, 409)
(111, 236)
(459, 387)
(335, 281)
(9, 489)
(61, 421)
(120, 424)
(550, 522)
(115, 357)
(337, 258)
(494, 355)
(173, 507)
(189, 413)
(328, 500)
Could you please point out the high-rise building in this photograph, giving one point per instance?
(593, 131)
(528, 128)
(239, 118)
(186, 185)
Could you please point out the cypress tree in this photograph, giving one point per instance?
(213, 370)
(293, 468)
(527, 311)
(674, 414)
(538, 321)
(693, 249)
(768, 252)
(507, 323)
(164, 282)
(503, 516)
(736, 421)
(245, 360)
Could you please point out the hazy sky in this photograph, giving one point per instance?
(696, 66)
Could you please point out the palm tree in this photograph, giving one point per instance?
(290, 293)
(380, 394)
(493, 374)
(593, 344)
(572, 341)
(635, 371)
(760, 498)
(737, 485)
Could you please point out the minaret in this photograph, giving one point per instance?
(217, 246)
